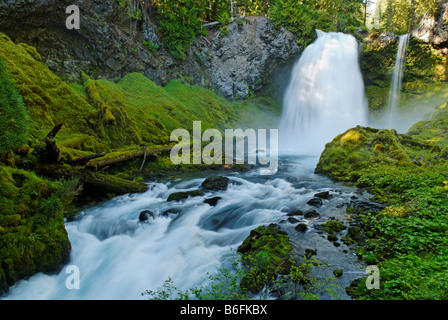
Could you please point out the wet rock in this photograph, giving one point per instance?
(315, 202)
(332, 237)
(301, 227)
(295, 213)
(177, 196)
(360, 206)
(323, 195)
(312, 214)
(212, 201)
(145, 215)
(356, 234)
(293, 220)
(217, 183)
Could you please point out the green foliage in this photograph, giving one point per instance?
(304, 17)
(151, 46)
(14, 119)
(408, 239)
(395, 15)
(179, 22)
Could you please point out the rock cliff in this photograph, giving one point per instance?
(109, 44)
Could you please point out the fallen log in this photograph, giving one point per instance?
(124, 156)
(84, 160)
(94, 183)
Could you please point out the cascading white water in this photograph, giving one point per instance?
(119, 257)
(326, 95)
(397, 77)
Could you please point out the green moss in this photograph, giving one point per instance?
(333, 226)
(33, 237)
(361, 149)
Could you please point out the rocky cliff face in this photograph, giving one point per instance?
(237, 64)
(110, 45)
(434, 26)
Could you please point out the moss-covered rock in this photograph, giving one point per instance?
(267, 252)
(33, 236)
(178, 196)
(360, 149)
(215, 183)
(333, 226)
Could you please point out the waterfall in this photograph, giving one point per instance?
(326, 95)
(397, 77)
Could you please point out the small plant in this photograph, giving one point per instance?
(151, 46)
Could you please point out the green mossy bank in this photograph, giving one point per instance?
(408, 173)
(115, 123)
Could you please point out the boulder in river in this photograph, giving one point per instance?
(295, 213)
(301, 227)
(212, 201)
(177, 196)
(312, 214)
(315, 202)
(217, 183)
(145, 215)
(323, 195)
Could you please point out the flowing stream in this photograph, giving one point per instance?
(119, 257)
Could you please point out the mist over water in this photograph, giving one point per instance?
(326, 95)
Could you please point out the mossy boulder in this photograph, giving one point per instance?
(359, 149)
(334, 226)
(266, 252)
(217, 183)
(178, 196)
(32, 233)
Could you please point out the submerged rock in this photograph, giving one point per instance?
(166, 213)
